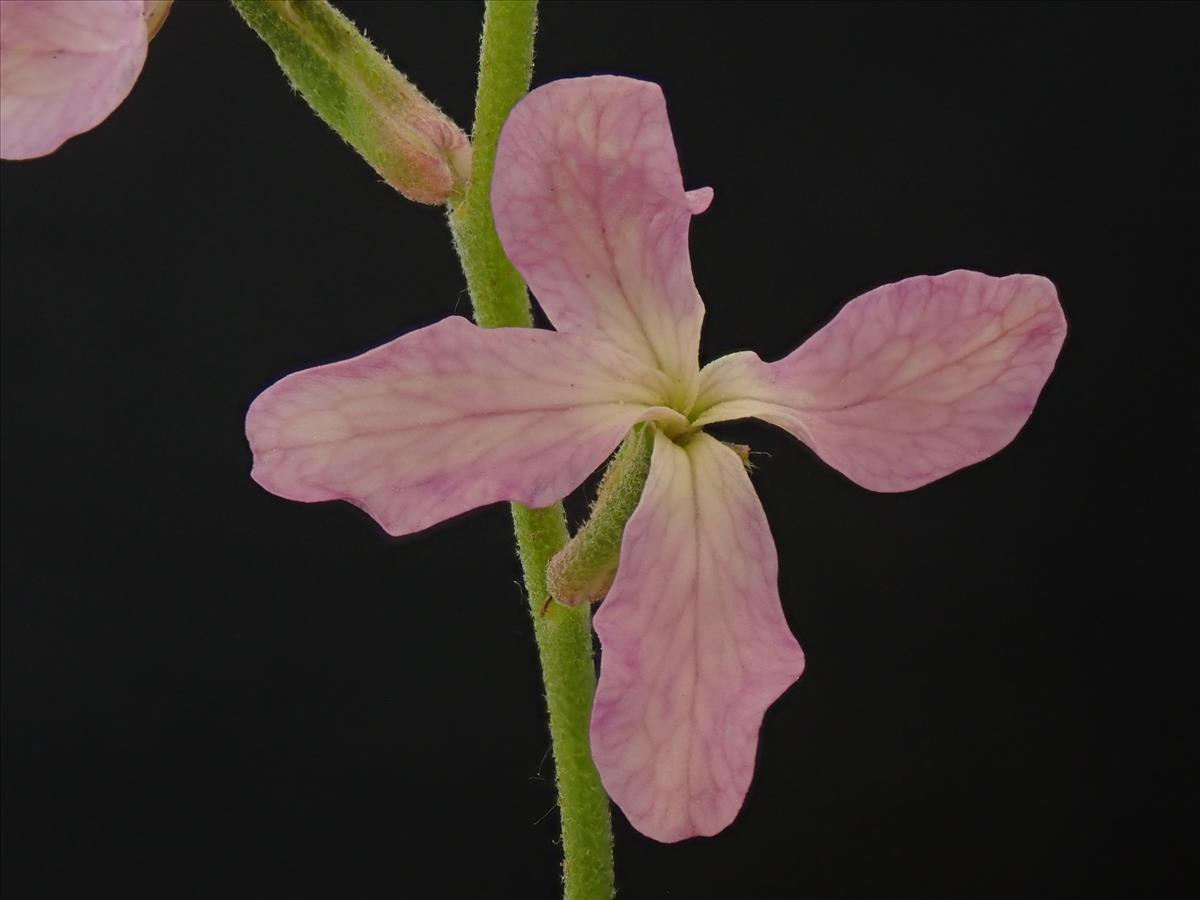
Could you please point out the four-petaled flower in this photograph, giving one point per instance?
(908, 383)
(65, 65)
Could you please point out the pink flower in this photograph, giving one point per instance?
(65, 65)
(908, 383)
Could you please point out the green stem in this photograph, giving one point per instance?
(505, 66)
(564, 636)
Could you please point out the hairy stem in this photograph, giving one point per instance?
(564, 636)
(505, 66)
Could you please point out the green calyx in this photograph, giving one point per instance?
(352, 86)
(583, 571)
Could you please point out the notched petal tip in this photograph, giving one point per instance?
(590, 207)
(699, 200)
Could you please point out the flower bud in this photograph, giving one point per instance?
(352, 86)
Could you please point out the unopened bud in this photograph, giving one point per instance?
(415, 147)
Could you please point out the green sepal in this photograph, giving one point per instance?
(583, 571)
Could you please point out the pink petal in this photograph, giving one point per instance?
(65, 65)
(695, 645)
(910, 381)
(590, 208)
(448, 418)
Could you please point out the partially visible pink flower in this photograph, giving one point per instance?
(908, 383)
(65, 65)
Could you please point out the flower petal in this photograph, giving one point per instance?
(65, 65)
(448, 418)
(910, 381)
(695, 645)
(590, 208)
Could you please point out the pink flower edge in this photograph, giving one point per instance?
(65, 65)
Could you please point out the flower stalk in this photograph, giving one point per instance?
(564, 636)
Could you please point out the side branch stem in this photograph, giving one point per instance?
(564, 636)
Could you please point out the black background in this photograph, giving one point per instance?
(210, 692)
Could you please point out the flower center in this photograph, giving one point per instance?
(676, 427)
(679, 398)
